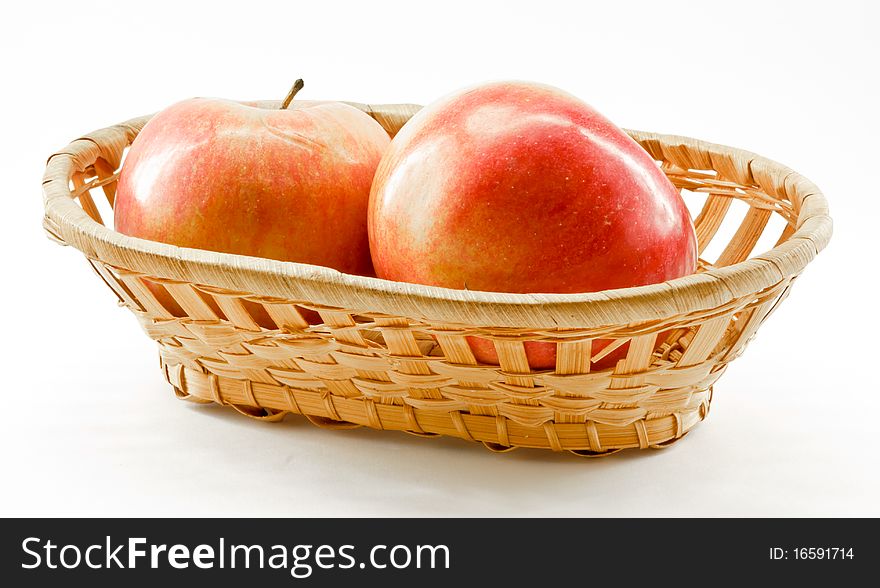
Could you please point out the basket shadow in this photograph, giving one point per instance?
(437, 476)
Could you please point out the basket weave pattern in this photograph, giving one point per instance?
(395, 356)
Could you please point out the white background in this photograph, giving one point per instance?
(90, 428)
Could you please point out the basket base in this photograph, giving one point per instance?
(272, 402)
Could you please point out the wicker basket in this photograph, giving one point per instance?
(394, 356)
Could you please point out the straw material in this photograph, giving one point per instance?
(394, 356)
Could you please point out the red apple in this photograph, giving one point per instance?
(520, 187)
(289, 184)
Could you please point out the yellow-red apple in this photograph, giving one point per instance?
(519, 187)
(289, 184)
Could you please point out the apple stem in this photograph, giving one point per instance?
(296, 87)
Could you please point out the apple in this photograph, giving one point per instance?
(290, 184)
(520, 187)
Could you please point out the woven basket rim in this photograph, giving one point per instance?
(325, 286)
